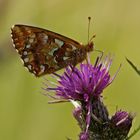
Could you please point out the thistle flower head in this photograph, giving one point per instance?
(121, 123)
(122, 119)
(84, 84)
(84, 136)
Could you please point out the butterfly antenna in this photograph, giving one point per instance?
(92, 37)
(89, 19)
(89, 40)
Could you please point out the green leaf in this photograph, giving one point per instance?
(134, 133)
(133, 66)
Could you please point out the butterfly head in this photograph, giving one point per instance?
(89, 47)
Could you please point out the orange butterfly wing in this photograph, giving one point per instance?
(44, 52)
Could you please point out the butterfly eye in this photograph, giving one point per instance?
(90, 47)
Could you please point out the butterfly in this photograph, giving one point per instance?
(45, 52)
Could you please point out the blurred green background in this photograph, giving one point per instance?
(25, 113)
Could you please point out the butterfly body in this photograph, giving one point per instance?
(44, 52)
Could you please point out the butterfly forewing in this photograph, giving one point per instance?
(44, 52)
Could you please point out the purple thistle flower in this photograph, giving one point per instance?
(122, 122)
(122, 119)
(84, 85)
(77, 113)
(84, 136)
